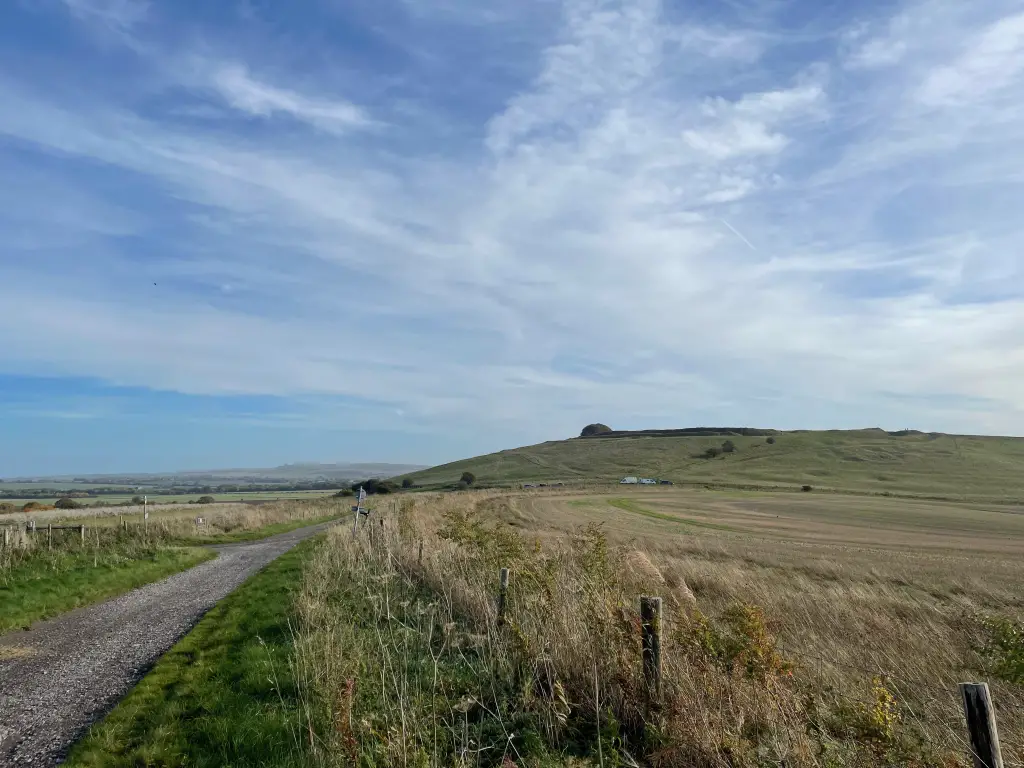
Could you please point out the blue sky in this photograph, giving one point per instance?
(245, 233)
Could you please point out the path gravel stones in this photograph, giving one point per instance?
(64, 674)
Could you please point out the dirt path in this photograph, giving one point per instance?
(64, 674)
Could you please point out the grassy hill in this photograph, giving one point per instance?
(860, 461)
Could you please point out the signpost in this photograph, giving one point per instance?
(359, 510)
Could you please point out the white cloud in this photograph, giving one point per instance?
(991, 60)
(569, 261)
(244, 93)
(117, 15)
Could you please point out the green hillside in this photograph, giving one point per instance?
(862, 461)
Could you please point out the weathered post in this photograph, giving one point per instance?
(502, 595)
(81, 531)
(419, 558)
(49, 536)
(7, 537)
(981, 725)
(650, 628)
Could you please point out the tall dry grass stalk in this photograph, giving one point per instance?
(401, 662)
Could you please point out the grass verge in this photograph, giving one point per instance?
(44, 587)
(224, 695)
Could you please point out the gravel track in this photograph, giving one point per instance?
(62, 675)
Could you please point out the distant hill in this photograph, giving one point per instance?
(864, 461)
(287, 473)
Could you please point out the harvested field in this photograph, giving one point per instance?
(815, 630)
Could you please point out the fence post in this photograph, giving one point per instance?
(981, 724)
(49, 536)
(419, 558)
(81, 531)
(502, 595)
(7, 537)
(650, 644)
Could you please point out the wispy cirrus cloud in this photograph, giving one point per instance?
(241, 91)
(665, 217)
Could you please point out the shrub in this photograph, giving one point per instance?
(407, 483)
(1004, 649)
(137, 500)
(7, 507)
(595, 429)
(205, 500)
(770, 441)
(806, 488)
(67, 503)
(712, 452)
(728, 446)
(344, 492)
(462, 485)
(468, 478)
(374, 485)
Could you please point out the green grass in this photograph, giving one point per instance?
(50, 584)
(224, 695)
(856, 461)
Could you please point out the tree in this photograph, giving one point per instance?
(407, 483)
(770, 441)
(595, 429)
(712, 452)
(67, 503)
(468, 478)
(137, 500)
(728, 446)
(205, 500)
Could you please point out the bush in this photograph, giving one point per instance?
(806, 488)
(595, 429)
(7, 507)
(205, 500)
(468, 478)
(67, 503)
(770, 441)
(728, 446)
(712, 452)
(344, 492)
(137, 500)
(374, 485)
(407, 483)
(462, 485)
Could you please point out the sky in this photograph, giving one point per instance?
(247, 233)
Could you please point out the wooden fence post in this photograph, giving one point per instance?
(49, 536)
(981, 724)
(81, 531)
(419, 558)
(7, 537)
(650, 644)
(502, 595)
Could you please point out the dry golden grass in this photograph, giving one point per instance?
(798, 630)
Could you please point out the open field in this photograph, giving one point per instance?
(156, 500)
(815, 630)
(862, 461)
(40, 578)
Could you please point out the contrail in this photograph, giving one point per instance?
(737, 233)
